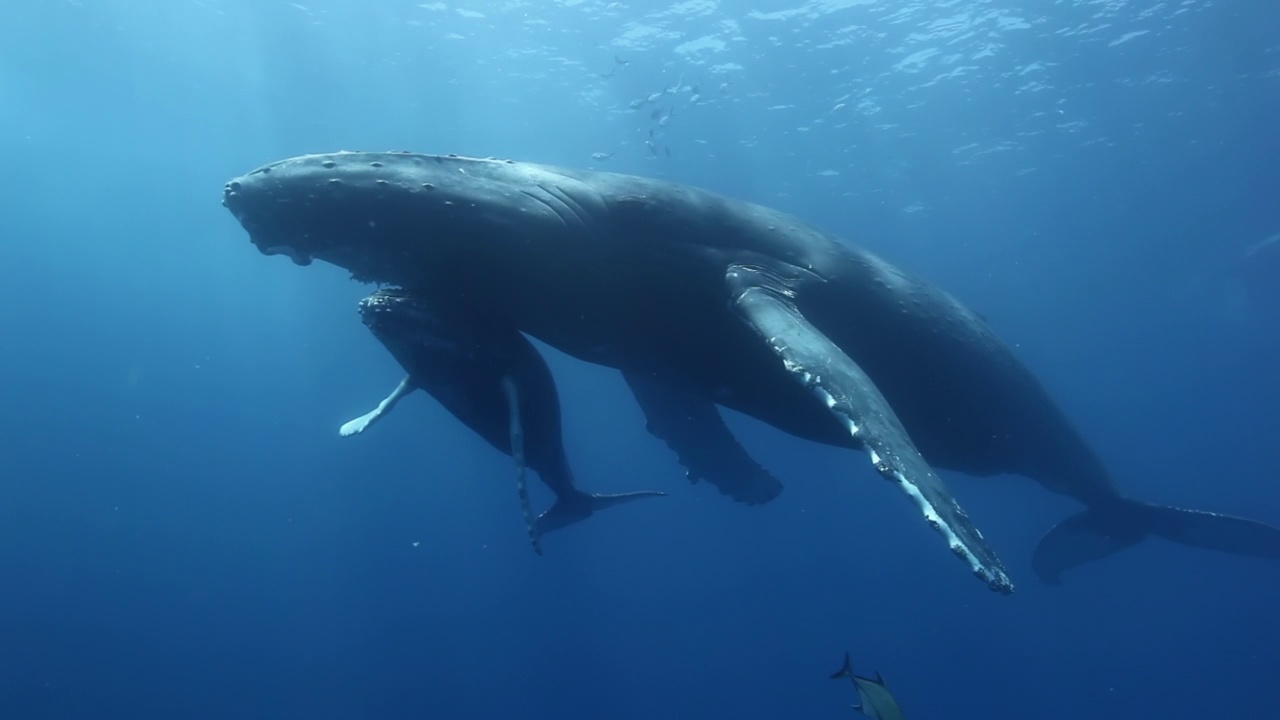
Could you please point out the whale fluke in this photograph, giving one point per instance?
(1097, 532)
(569, 509)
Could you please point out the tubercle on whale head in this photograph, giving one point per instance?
(375, 214)
(416, 330)
(394, 309)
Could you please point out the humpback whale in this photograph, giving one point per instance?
(726, 302)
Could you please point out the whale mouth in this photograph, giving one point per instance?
(297, 256)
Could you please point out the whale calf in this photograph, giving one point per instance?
(497, 385)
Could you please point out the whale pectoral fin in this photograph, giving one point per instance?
(695, 431)
(362, 423)
(511, 391)
(854, 401)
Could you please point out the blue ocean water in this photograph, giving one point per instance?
(183, 534)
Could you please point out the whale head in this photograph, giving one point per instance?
(398, 313)
(418, 333)
(397, 218)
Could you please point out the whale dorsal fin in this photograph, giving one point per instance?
(766, 303)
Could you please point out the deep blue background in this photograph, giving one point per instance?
(184, 535)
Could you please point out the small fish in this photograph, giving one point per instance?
(874, 699)
(617, 63)
(601, 156)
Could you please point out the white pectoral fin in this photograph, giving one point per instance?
(362, 423)
(358, 425)
(853, 399)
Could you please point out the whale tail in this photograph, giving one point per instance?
(572, 507)
(1097, 532)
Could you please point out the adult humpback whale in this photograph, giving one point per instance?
(497, 384)
(728, 302)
